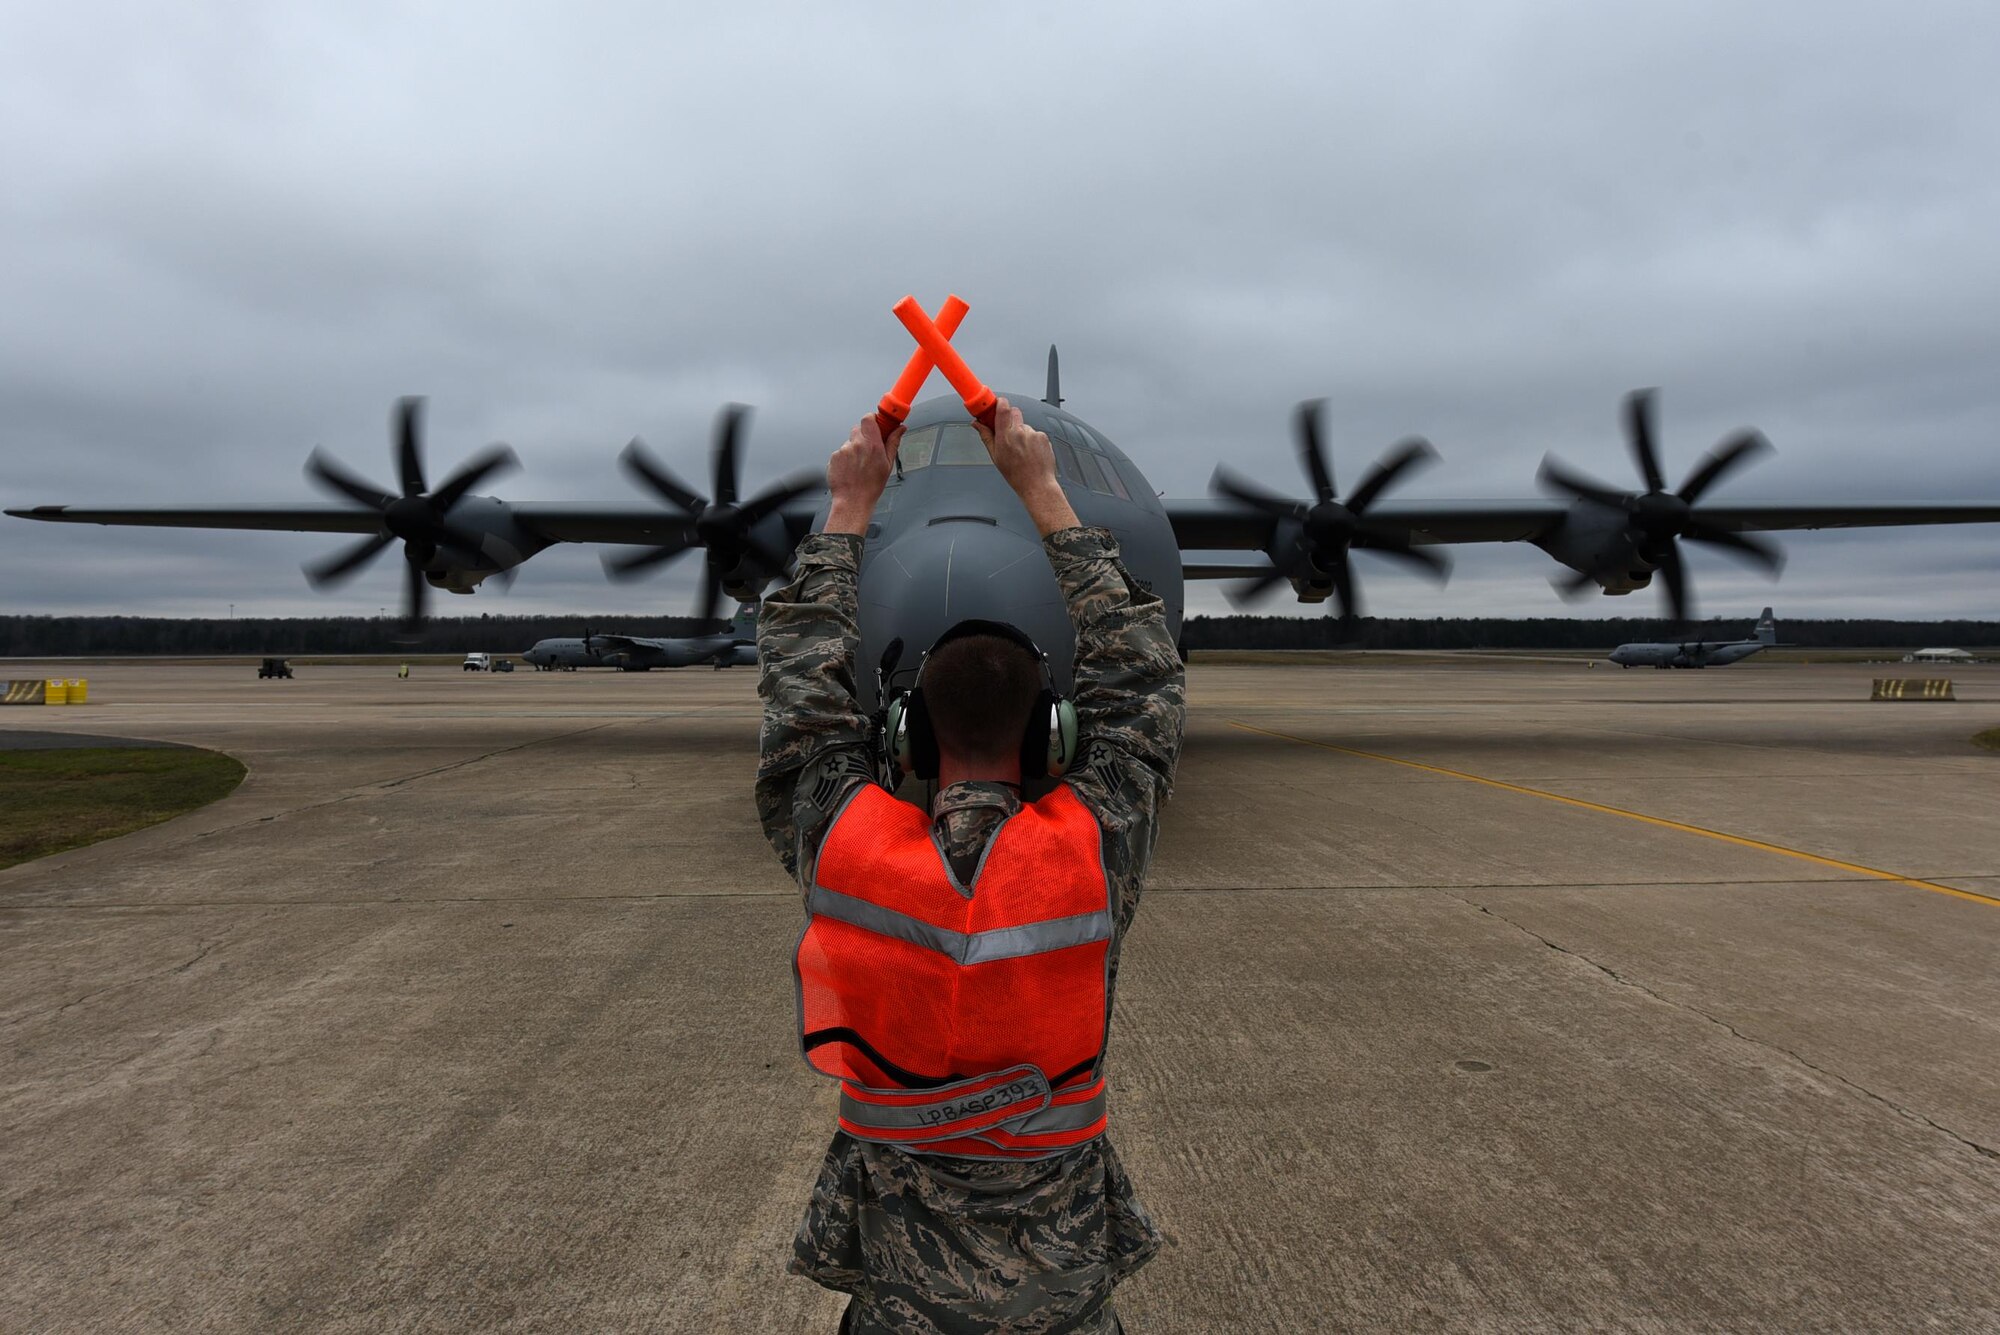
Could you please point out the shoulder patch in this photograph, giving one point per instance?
(833, 774)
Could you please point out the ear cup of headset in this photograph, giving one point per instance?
(896, 733)
(1062, 736)
(908, 738)
(1049, 745)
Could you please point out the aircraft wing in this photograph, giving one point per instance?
(291, 518)
(1216, 525)
(600, 643)
(557, 523)
(1743, 518)
(588, 523)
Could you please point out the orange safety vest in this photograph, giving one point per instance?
(957, 1022)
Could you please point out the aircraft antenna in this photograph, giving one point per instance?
(1054, 397)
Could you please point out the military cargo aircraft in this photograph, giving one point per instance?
(564, 655)
(950, 541)
(1698, 653)
(735, 647)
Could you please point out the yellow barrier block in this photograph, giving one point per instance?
(1899, 688)
(56, 692)
(79, 690)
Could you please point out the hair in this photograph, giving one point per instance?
(979, 691)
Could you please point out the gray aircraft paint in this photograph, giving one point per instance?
(951, 542)
(1698, 653)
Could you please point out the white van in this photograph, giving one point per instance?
(478, 663)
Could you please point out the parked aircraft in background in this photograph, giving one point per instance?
(735, 647)
(564, 655)
(1698, 653)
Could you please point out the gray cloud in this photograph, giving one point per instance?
(236, 231)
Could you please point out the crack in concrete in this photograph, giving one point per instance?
(1910, 1114)
(203, 947)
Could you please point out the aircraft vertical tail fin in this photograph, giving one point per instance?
(744, 625)
(1767, 628)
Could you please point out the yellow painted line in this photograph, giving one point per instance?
(1639, 816)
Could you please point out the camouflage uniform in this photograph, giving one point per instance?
(928, 1243)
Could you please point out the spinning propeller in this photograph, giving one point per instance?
(1661, 518)
(1328, 526)
(724, 528)
(420, 517)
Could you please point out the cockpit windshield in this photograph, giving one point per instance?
(955, 443)
(1079, 453)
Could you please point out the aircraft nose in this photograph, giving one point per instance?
(952, 570)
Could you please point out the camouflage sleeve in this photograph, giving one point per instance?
(1131, 702)
(814, 744)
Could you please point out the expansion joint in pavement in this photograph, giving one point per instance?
(1984, 1151)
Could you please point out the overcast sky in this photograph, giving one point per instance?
(229, 232)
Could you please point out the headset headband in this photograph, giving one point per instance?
(1048, 745)
(965, 630)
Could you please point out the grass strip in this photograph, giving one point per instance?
(1990, 739)
(51, 801)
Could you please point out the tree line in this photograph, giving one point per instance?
(1270, 632)
(87, 636)
(67, 637)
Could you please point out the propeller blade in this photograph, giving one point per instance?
(711, 593)
(640, 465)
(629, 567)
(1412, 453)
(728, 427)
(1576, 584)
(1737, 449)
(1639, 435)
(1249, 592)
(780, 493)
(1557, 475)
(409, 453)
(1675, 576)
(1312, 451)
(335, 568)
(470, 474)
(322, 469)
(1344, 591)
(1758, 551)
(1428, 561)
(1226, 483)
(416, 592)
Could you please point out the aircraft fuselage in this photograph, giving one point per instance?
(951, 541)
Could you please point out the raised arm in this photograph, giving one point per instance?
(814, 744)
(1131, 691)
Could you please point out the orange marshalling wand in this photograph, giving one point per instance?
(978, 398)
(895, 405)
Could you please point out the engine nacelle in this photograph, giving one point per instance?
(1597, 541)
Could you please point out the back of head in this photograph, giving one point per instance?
(979, 691)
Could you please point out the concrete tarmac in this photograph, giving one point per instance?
(1482, 996)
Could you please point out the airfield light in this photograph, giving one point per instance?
(978, 398)
(895, 405)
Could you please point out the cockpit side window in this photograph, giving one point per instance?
(917, 448)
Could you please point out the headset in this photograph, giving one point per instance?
(1048, 745)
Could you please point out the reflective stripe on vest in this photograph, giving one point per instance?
(959, 1022)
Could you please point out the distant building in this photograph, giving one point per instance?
(1939, 656)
